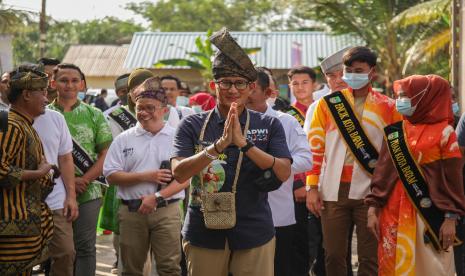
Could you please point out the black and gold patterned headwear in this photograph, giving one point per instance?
(231, 60)
(26, 78)
(151, 88)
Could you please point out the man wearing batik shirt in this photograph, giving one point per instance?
(345, 137)
(92, 137)
(26, 225)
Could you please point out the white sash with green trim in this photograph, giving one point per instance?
(352, 131)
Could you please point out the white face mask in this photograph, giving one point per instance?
(356, 80)
(270, 101)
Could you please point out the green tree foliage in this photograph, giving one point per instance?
(433, 17)
(60, 35)
(199, 15)
(373, 21)
(11, 18)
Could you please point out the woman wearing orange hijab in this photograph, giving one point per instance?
(416, 194)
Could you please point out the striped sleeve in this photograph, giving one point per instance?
(11, 142)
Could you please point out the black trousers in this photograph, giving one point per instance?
(459, 251)
(317, 252)
(300, 254)
(283, 250)
(315, 245)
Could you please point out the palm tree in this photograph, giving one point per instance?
(434, 18)
(11, 18)
(200, 60)
(373, 22)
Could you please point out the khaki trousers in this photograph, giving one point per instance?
(336, 220)
(158, 232)
(258, 261)
(61, 248)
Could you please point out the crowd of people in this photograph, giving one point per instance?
(233, 182)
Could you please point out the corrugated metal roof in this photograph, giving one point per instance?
(147, 48)
(98, 60)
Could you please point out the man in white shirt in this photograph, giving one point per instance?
(56, 140)
(281, 201)
(4, 103)
(172, 86)
(150, 216)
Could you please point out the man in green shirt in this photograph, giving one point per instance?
(91, 137)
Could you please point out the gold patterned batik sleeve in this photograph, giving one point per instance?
(11, 142)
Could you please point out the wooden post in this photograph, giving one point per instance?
(42, 37)
(458, 51)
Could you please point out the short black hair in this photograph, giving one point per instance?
(360, 54)
(62, 66)
(263, 78)
(266, 69)
(103, 91)
(302, 70)
(48, 61)
(122, 77)
(171, 77)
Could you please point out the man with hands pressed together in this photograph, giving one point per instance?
(213, 145)
(149, 214)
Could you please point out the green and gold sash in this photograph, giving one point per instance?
(414, 182)
(294, 112)
(352, 131)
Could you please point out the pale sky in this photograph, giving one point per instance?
(81, 9)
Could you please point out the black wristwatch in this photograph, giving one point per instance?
(159, 198)
(247, 146)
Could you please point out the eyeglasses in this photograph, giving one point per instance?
(148, 108)
(239, 85)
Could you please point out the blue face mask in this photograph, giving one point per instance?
(197, 108)
(81, 95)
(356, 80)
(182, 101)
(404, 105)
(456, 108)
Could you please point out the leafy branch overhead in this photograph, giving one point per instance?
(200, 60)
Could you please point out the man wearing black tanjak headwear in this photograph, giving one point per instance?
(224, 164)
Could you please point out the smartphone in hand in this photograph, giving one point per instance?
(166, 164)
(134, 205)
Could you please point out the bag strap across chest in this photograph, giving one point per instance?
(241, 154)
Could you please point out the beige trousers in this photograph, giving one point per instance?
(61, 248)
(158, 232)
(258, 261)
